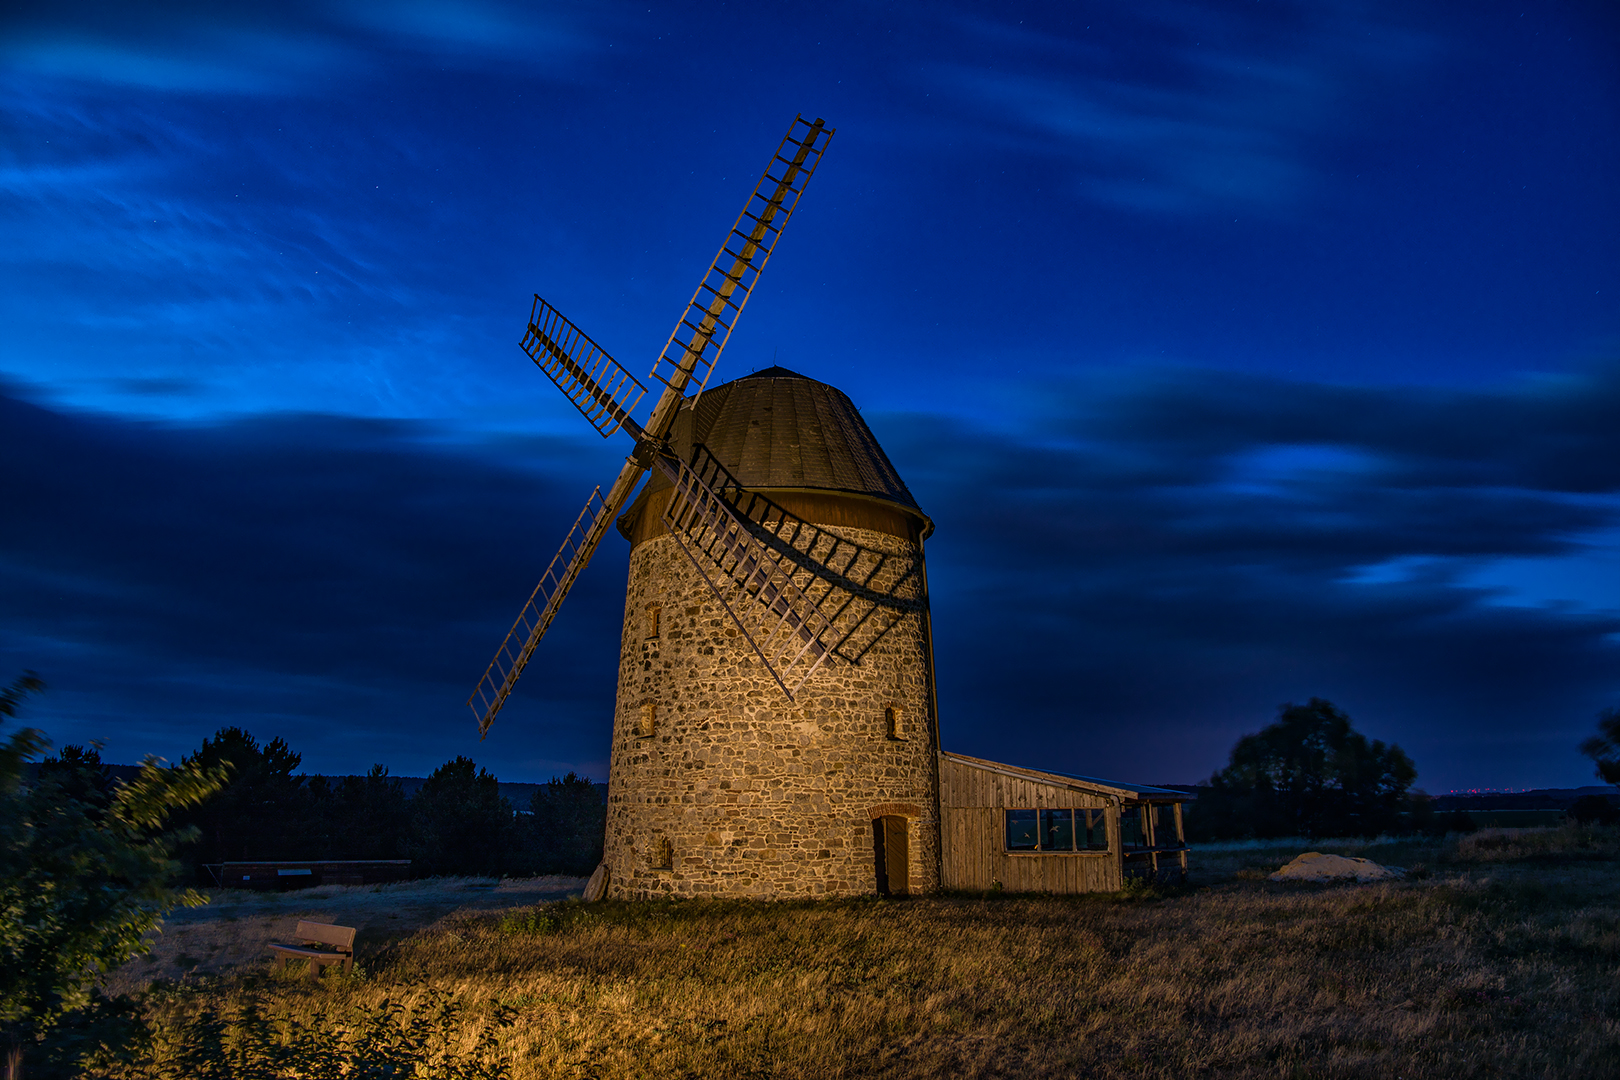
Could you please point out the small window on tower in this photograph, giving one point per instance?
(648, 720)
(654, 611)
(893, 723)
(663, 854)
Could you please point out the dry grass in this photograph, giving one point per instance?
(236, 925)
(1502, 961)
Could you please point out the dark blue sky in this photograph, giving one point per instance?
(1241, 352)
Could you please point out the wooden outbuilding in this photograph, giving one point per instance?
(1030, 830)
(286, 874)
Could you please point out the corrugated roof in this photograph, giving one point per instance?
(1144, 792)
(778, 429)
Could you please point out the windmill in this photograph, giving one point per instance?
(801, 593)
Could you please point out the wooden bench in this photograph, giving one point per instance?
(338, 939)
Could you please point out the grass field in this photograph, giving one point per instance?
(1498, 956)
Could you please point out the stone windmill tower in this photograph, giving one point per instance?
(775, 728)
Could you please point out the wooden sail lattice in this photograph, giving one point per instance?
(513, 655)
(598, 386)
(785, 627)
(698, 338)
(606, 394)
(861, 589)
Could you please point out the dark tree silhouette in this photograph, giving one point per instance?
(566, 826)
(365, 817)
(1309, 774)
(263, 812)
(1604, 747)
(461, 822)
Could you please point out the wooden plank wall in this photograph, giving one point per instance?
(973, 847)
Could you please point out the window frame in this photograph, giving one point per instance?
(1074, 834)
(1150, 817)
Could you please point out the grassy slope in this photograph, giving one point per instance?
(233, 930)
(1500, 960)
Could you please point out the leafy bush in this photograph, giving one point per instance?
(85, 872)
(262, 1035)
(1594, 810)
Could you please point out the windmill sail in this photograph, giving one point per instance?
(698, 338)
(513, 655)
(601, 389)
(606, 394)
(785, 627)
(860, 591)
(864, 590)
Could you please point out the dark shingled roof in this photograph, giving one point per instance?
(778, 429)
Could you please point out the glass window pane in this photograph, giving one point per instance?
(1022, 830)
(1057, 830)
(1130, 827)
(1095, 824)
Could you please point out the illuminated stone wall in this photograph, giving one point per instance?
(739, 792)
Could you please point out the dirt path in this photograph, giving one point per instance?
(236, 925)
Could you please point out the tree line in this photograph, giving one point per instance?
(1312, 774)
(457, 823)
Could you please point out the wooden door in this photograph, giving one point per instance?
(891, 853)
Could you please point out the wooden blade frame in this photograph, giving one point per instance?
(867, 590)
(603, 391)
(720, 296)
(513, 655)
(606, 394)
(791, 635)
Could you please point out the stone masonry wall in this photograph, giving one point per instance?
(736, 791)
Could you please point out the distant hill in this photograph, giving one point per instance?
(519, 794)
(1483, 801)
(1539, 799)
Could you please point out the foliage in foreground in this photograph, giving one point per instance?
(1501, 961)
(85, 872)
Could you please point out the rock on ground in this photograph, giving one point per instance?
(1314, 866)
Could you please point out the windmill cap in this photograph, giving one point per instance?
(776, 430)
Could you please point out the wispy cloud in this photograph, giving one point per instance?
(275, 48)
(1169, 108)
(1140, 586)
(284, 572)
(479, 29)
(1174, 553)
(131, 253)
